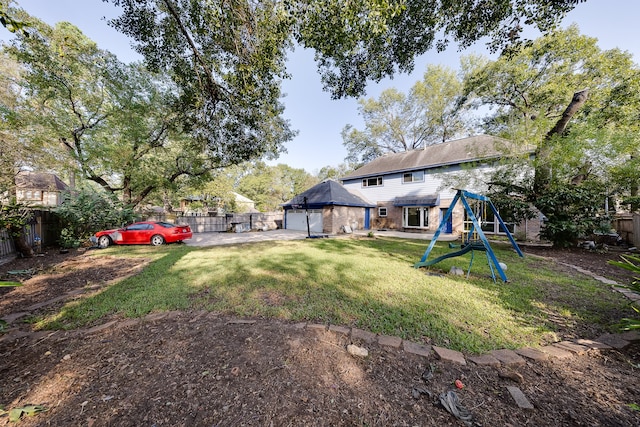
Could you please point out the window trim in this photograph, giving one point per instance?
(413, 177)
(380, 209)
(424, 217)
(378, 179)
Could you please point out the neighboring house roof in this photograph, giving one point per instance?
(40, 181)
(242, 199)
(327, 193)
(465, 150)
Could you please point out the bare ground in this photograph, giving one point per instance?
(199, 368)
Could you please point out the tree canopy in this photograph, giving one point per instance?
(433, 111)
(578, 106)
(235, 51)
(99, 119)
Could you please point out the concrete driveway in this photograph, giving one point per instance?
(215, 239)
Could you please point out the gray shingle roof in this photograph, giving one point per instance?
(328, 192)
(480, 147)
(40, 181)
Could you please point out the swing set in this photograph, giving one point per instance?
(475, 239)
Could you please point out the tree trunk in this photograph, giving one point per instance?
(542, 177)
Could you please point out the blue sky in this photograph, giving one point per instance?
(317, 117)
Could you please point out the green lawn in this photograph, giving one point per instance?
(366, 283)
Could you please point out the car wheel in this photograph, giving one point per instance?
(157, 240)
(104, 241)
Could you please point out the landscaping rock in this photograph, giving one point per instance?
(390, 341)
(366, 336)
(456, 271)
(485, 360)
(339, 329)
(533, 354)
(557, 352)
(317, 327)
(511, 375)
(519, 397)
(354, 350)
(508, 357)
(593, 344)
(449, 355)
(572, 347)
(613, 340)
(415, 348)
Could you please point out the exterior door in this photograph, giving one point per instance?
(367, 219)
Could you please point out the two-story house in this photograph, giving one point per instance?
(39, 189)
(412, 190)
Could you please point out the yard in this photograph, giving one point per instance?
(184, 336)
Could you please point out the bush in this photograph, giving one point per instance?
(631, 263)
(572, 212)
(86, 211)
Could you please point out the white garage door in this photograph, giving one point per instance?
(297, 220)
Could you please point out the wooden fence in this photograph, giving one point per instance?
(229, 222)
(628, 227)
(42, 231)
(8, 247)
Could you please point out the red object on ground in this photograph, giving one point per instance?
(459, 384)
(144, 233)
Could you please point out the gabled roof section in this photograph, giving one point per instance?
(465, 150)
(329, 192)
(242, 199)
(39, 181)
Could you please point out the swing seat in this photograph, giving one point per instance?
(472, 246)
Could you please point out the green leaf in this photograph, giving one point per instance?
(9, 284)
(16, 413)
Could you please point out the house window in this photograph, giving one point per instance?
(372, 182)
(415, 217)
(382, 211)
(488, 221)
(33, 195)
(417, 176)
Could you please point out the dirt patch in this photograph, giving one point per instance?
(200, 368)
(593, 261)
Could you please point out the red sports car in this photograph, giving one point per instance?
(143, 233)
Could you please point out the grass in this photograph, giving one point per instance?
(367, 283)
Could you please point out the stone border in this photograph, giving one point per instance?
(504, 357)
(496, 358)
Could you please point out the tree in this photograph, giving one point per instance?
(576, 105)
(14, 154)
(334, 172)
(227, 62)
(270, 186)
(355, 42)
(432, 112)
(9, 21)
(110, 123)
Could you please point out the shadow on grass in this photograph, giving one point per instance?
(362, 284)
(365, 283)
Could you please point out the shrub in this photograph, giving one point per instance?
(631, 263)
(86, 211)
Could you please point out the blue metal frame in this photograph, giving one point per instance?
(462, 195)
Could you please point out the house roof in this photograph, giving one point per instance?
(328, 192)
(465, 150)
(242, 199)
(40, 181)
